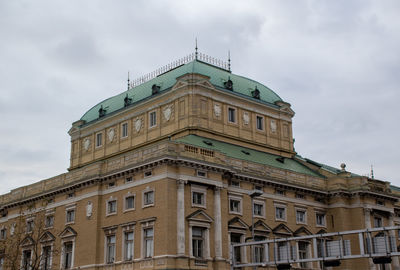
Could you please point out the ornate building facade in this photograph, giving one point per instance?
(163, 176)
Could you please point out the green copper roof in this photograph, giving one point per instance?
(247, 154)
(241, 86)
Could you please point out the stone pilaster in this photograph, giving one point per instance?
(181, 218)
(217, 223)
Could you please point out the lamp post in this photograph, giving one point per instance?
(255, 193)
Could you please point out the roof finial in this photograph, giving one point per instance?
(196, 51)
(372, 172)
(128, 81)
(229, 60)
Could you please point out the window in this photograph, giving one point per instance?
(99, 138)
(258, 209)
(303, 251)
(148, 235)
(46, 258)
(111, 184)
(257, 187)
(49, 221)
(259, 249)
(130, 202)
(148, 198)
(111, 207)
(152, 119)
(235, 205)
(232, 115)
(71, 195)
(320, 219)
(201, 173)
(280, 213)
(301, 216)
(280, 192)
(234, 183)
(110, 249)
(198, 198)
(29, 225)
(148, 174)
(124, 130)
(260, 122)
(70, 216)
(128, 246)
(198, 242)
(128, 179)
(3, 234)
(378, 222)
(26, 259)
(1, 263)
(300, 196)
(67, 256)
(236, 239)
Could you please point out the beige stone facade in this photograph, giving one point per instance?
(166, 184)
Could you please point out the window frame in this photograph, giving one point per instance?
(199, 190)
(46, 218)
(126, 197)
(110, 246)
(262, 122)
(144, 202)
(262, 203)
(284, 208)
(152, 120)
(324, 219)
(63, 254)
(233, 115)
(124, 130)
(238, 199)
(197, 252)
(145, 238)
(71, 209)
(301, 210)
(99, 139)
(109, 203)
(48, 259)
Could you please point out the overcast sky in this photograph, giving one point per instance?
(337, 63)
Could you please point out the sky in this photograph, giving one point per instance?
(336, 62)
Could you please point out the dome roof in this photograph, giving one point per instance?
(241, 86)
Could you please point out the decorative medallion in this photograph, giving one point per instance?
(246, 118)
(86, 144)
(273, 126)
(167, 112)
(138, 124)
(111, 134)
(217, 110)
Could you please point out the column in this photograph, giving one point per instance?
(367, 223)
(181, 218)
(217, 223)
(395, 259)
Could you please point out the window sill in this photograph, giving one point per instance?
(148, 205)
(129, 210)
(111, 214)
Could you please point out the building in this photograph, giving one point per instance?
(161, 177)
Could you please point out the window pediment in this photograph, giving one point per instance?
(46, 237)
(199, 216)
(68, 232)
(237, 223)
(282, 229)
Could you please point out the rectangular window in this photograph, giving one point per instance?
(148, 198)
(3, 234)
(198, 242)
(300, 196)
(260, 122)
(301, 216)
(258, 209)
(67, 257)
(198, 198)
(49, 221)
(110, 249)
(70, 217)
(234, 183)
(280, 213)
(124, 130)
(46, 258)
(112, 207)
(234, 206)
(99, 138)
(26, 259)
(232, 115)
(128, 246)
(152, 119)
(128, 179)
(1, 263)
(148, 235)
(320, 219)
(130, 202)
(378, 222)
(280, 192)
(236, 239)
(201, 173)
(148, 174)
(303, 247)
(29, 225)
(259, 249)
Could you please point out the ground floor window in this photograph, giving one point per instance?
(303, 253)
(67, 256)
(236, 238)
(46, 258)
(26, 259)
(198, 242)
(110, 249)
(148, 235)
(259, 249)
